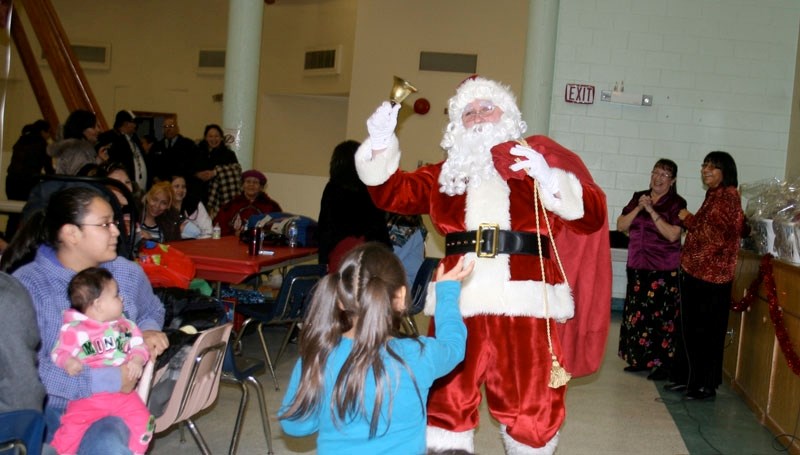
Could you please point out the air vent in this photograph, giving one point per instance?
(443, 61)
(211, 61)
(322, 61)
(90, 56)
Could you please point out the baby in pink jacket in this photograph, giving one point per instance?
(95, 334)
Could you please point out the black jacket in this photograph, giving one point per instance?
(28, 159)
(165, 161)
(120, 150)
(348, 212)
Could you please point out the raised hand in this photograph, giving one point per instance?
(381, 125)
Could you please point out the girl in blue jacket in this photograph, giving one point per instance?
(359, 383)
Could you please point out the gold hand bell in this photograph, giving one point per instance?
(400, 90)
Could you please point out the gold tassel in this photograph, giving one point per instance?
(558, 375)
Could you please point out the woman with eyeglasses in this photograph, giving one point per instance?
(646, 336)
(708, 265)
(78, 231)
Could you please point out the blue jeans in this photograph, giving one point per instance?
(411, 254)
(107, 436)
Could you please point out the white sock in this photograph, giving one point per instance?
(441, 439)
(514, 447)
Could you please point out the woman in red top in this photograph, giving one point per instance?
(708, 263)
(232, 217)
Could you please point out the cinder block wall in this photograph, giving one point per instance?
(721, 74)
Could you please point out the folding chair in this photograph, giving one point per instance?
(198, 383)
(146, 381)
(22, 431)
(419, 291)
(242, 371)
(286, 310)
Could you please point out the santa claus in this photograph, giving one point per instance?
(530, 216)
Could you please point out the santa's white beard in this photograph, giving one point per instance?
(469, 160)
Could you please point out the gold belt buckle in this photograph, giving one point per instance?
(479, 237)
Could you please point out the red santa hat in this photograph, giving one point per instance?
(478, 88)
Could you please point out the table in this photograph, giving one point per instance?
(226, 259)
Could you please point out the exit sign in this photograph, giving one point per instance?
(579, 94)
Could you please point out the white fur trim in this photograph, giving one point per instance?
(514, 447)
(514, 298)
(569, 204)
(490, 202)
(489, 289)
(441, 439)
(375, 168)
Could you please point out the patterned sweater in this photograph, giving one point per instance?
(224, 187)
(98, 344)
(712, 238)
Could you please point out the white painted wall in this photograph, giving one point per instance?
(389, 38)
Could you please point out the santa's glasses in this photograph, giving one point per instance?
(482, 110)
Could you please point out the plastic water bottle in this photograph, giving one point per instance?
(216, 232)
(291, 234)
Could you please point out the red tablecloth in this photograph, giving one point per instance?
(226, 259)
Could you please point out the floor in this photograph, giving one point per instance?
(610, 412)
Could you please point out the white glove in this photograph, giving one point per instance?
(381, 125)
(535, 165)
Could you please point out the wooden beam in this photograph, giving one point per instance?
(57, 50)
(29, 63)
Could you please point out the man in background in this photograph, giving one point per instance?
(126, 148)
(170, 155)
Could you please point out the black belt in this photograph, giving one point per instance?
(489, 241)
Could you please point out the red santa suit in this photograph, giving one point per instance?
(503, 301)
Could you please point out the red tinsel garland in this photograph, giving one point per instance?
(775, 311)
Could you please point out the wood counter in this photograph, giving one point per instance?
(754, 363)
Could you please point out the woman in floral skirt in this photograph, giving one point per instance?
(646, 340)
